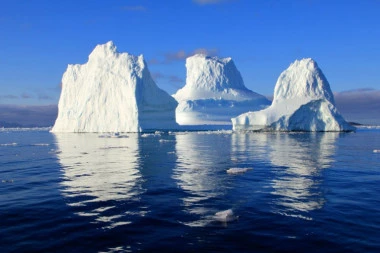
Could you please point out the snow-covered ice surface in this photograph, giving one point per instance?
(303, 101)
(214, 92)
(112, 92)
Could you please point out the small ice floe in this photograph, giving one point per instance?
(238, 170)
(41, 144)
(113, 135)
(54, 151)
(163, 140)
(7, 181)
(9, 144)
(376, 151)
(225, 216)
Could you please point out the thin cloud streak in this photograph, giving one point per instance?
(9, 96)
(44, 97)
(173, 80)
(182, 55)
(26, 96)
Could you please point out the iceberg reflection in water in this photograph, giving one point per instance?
(201, 174)
(98, 172)
(296, 161)
(171, 192)
(300, 159)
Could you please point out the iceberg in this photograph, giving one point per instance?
(214, 92)
(112, 92)
(302, 101)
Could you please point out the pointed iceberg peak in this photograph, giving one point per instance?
(303, 79)
(302, 101)
(104, 50)
(308, 62)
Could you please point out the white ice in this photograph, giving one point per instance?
(225, 216)
(237, 170)
(303, 101)
(214, 92)
(112, 92)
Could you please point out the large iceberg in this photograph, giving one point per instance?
(214, 92)
(303, 101)
(112, 92)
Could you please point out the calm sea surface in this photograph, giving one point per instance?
(160, 192)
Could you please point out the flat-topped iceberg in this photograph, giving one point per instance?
(303, 101)
(214, 92)
(112, 92)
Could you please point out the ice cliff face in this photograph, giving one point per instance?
(112, 92)
(214, 92)
(303, 101)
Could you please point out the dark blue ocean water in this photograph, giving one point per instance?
(303, 192)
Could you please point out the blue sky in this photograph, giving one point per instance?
(40, 38)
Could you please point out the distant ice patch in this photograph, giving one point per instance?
(238, 170)
(9, 144)
(113, 135)
(225, 216)
(376, 151)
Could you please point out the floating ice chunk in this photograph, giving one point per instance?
(163, 140)
(41, 144)
(7, 181)
(376, 151)
(113, 135)
(225, 216)
(9, 144)
(237, 170)
(147, 135)
(54, 151)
